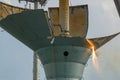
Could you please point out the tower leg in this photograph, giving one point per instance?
(36, 67)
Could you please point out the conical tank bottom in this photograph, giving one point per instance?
(64, 62)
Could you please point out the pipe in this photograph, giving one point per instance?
(36, 67)
(64, 16)
(36, 5)
(36, 62)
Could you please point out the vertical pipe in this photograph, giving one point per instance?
(36, 5)
(64, 16)
(36, 67)
(36, 62)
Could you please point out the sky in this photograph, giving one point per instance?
(16, 59)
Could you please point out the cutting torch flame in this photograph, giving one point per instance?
(94, 56)
(94, 59)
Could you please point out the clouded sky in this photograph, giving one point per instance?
(16, 59)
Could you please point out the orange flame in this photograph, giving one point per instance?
(94, 56)
(94, 59)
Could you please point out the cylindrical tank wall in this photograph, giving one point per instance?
(64, 62)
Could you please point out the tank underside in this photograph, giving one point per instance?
(64, 62)
(65, 58)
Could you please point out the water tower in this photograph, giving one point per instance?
(58, 39)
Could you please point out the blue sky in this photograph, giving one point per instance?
(16, 59)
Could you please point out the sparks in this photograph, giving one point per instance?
(94, 59)
(94, 56)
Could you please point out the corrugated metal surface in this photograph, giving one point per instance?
(78, 20)
(6, 9)
(30, 27)
(98, 42)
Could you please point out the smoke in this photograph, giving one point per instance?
(110, 64)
